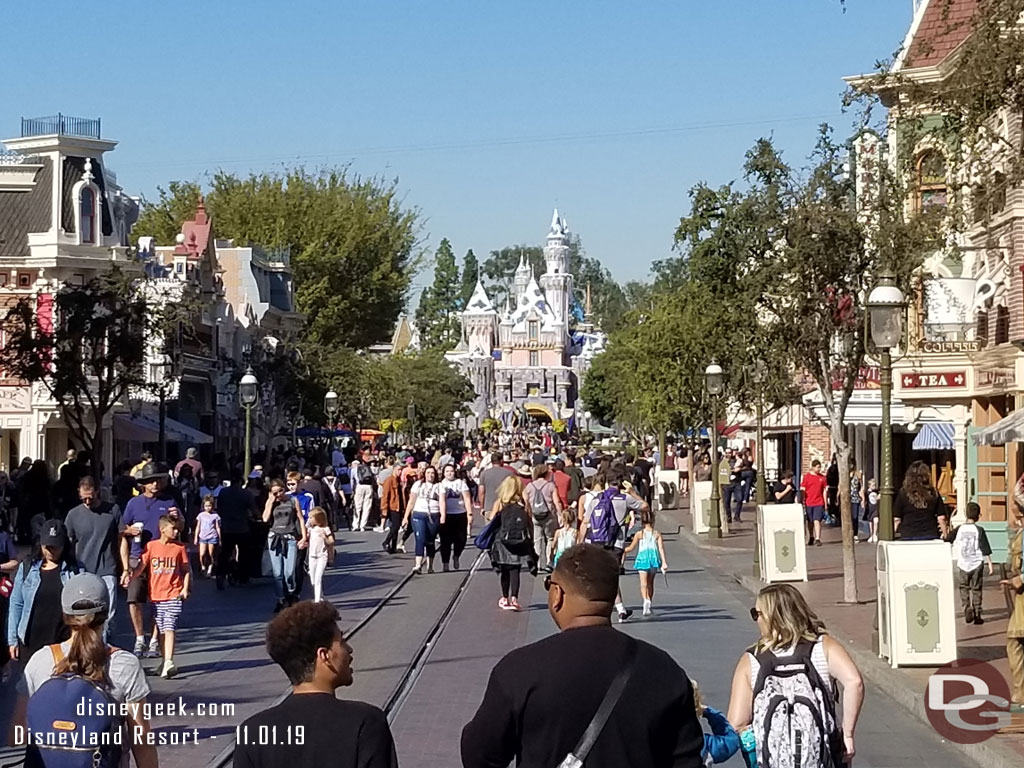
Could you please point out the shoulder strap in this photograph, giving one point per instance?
(611, 698)
(58, 653)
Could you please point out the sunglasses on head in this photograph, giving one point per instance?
(755, 614)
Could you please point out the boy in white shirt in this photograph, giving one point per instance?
(972, 552)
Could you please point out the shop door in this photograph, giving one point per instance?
(988, 481)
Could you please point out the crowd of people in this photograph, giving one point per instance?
(573, 515)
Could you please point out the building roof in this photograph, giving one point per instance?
(939, 27)
(197, 230)
(25, 212)
(479, 303)
(532, 301)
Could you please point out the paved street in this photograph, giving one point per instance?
(701, 619)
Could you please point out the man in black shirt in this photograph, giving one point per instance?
(783, 491)
(235, 507)
(524, 717)
(312, 727)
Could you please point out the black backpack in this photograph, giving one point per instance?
(365, 475)
(515, 530)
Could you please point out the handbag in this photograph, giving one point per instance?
(486, 537)
(611, 697)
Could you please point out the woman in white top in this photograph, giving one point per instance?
(427, 516)
(458, 502)
(588, 499)
(786, 622)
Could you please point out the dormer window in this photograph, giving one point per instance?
(534, 330)
(87, 208)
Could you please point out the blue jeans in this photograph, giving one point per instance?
(424, 528)
(111, 583)
(282, 562)
(732, 499)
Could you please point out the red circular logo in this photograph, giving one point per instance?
(967, 701)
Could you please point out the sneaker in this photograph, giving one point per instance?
(978, 619)
(416, 570)
(647, 608)
(856, 539)
(810, 542)
(445, 567)
(969, 615)
(514, 602)
(401, 547)
(455, 563)
(624, 616)
(817, 543)
(505, 605)
(140, 647)
(154, 650)
(430, 567)
(168, 670)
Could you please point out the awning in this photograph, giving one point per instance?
(145, 428)
(934, 436)
(1007, 430)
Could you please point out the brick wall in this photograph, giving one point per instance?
(816, 444)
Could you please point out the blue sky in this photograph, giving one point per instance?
(488, 114)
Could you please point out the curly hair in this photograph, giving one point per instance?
(297, 633)
(917, 485)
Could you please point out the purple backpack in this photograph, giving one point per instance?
(604, 527)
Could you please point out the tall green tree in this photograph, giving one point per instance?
(354, 247)
(437, 315)
(470, 274)
(427, 381)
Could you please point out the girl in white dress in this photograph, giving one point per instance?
(321, 550)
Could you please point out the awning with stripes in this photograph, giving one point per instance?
(1009, 429)
(935, 436)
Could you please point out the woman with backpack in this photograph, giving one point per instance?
(513, 545)
(34, 619)
(768, 676)
(545, 507)
(83, 669)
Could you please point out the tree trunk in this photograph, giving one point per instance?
(842, 449)
(97, 449)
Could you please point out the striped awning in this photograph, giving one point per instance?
(934, 436)
(1007, 430)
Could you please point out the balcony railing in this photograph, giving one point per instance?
(61, 125)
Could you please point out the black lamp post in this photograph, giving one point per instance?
(248, 394)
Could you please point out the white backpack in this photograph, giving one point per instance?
(794, 719)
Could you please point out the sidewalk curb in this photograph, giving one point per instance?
(988, 754)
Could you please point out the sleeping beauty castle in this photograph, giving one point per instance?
(526, 362)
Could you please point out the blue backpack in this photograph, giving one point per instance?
(61, 737)
(604, 527)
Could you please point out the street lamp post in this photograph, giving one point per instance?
(410, 414)
(457, 416)
(248, 394)
(759, 488)
(331, 409)
(713, 384)
(885, 309)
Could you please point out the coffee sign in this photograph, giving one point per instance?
(937, 380)
(949, 347)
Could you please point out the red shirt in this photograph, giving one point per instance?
(562, 481)
(167, 565)
(813, 486)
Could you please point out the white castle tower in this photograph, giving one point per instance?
(524, 273)
(556, 280)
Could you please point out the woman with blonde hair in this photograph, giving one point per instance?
(513, 543)
(792, 635)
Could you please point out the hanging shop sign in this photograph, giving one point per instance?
(933, 380)
(948, 347)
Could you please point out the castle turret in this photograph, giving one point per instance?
(522, 279)
(557, 280)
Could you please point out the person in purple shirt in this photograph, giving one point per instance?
(141, 521)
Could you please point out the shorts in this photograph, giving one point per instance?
(211, 540)
(166, 613)
(816, 514)
(138, 587)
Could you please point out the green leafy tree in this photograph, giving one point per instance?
(428, 381)
(437, 315)
(470, 274)
(88, 351)
(354, 248)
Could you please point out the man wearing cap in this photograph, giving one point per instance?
(192, 460)
(141, 525)
(94, 530)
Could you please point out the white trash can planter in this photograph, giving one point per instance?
(917, 603)
(782, 542)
